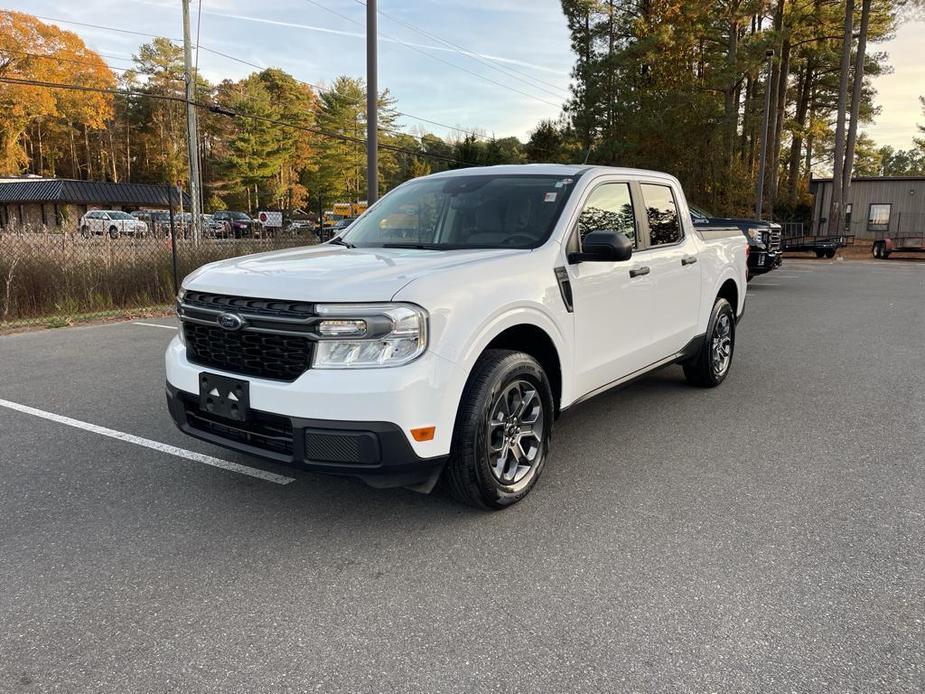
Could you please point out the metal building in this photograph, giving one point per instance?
(877, 206)
(36, 204)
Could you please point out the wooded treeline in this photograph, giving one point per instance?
(657, 84)
(270, 141)
(681, 86)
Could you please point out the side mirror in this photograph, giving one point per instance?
(603, 246)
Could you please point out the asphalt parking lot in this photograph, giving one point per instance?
(768, 535)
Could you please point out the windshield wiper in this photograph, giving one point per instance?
(418, 246)
(337, 240)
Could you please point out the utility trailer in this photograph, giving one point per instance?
(822, 246)
(901, 243)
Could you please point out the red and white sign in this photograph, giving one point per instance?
(270, 219)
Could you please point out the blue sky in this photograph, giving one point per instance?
(520, 46)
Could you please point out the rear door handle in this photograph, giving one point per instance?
(639, 271)
(688, 260)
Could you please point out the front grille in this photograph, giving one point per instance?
(261, 430)
(262, 307)
(274, 342)
(774, 243)
(264, 355)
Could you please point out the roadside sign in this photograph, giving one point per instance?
(270, 219)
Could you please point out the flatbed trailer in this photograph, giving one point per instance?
(822, 246)
(901, 243)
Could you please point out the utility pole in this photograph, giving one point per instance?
(759, 193)
(192, 135)
(372, 106)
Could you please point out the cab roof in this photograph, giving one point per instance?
(549, 170)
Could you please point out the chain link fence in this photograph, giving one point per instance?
(52, 277)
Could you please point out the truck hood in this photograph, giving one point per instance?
(331, 273)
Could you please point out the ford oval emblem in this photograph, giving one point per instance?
(230, 321)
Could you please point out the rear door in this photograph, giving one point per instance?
(674, 270)
(611, 320)
(97, 222)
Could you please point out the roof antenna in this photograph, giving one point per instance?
(587, 154)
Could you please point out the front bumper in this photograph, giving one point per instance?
(386, 403)
(762, 260)
(376, 452)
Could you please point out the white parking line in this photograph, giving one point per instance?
(156, 325)
(148, 443)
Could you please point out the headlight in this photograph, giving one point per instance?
(754, 234)
(384, 335)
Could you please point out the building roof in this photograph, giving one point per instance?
(871, 178)
(65, 190)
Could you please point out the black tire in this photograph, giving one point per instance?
(884, 253)
(483, 422)
(85, 231)
(875, 250)
(113, 233)
(830, 253)
(820, 254)
(703, 370)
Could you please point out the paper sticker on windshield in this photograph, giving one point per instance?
(563, 182)
(551, 197)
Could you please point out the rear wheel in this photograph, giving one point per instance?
(85, 231)
(113, 233)
(709, 368)
(502, 432)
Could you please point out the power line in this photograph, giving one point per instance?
(105, 28)
(439, 60)
(244, 62)
(225, 111)
(62, 59)
(508, 70)
(356, 101)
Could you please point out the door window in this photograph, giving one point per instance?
(609, 208)
(879, 217)
(662, 213)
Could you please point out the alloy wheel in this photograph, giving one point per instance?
(721, 345)
(515, 434)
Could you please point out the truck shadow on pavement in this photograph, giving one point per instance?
(316, 499)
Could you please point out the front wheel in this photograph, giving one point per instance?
(502, 432)
(85, 231)
(830, 253)
(709, 368)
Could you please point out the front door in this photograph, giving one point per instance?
(611, 321)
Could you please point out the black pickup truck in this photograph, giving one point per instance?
(764, 251)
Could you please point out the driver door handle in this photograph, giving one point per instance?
(639, 271)
(688, 260)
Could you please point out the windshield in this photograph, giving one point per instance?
(465, 211)
(237, 215)
(119, 215)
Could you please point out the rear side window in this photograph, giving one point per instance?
(609, 208)
(662, 213)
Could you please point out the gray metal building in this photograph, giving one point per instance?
(877, 206)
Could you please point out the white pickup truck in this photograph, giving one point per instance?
(448, 327)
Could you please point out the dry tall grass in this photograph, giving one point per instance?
(58, 276)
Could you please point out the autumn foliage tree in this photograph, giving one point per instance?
(40, 127)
